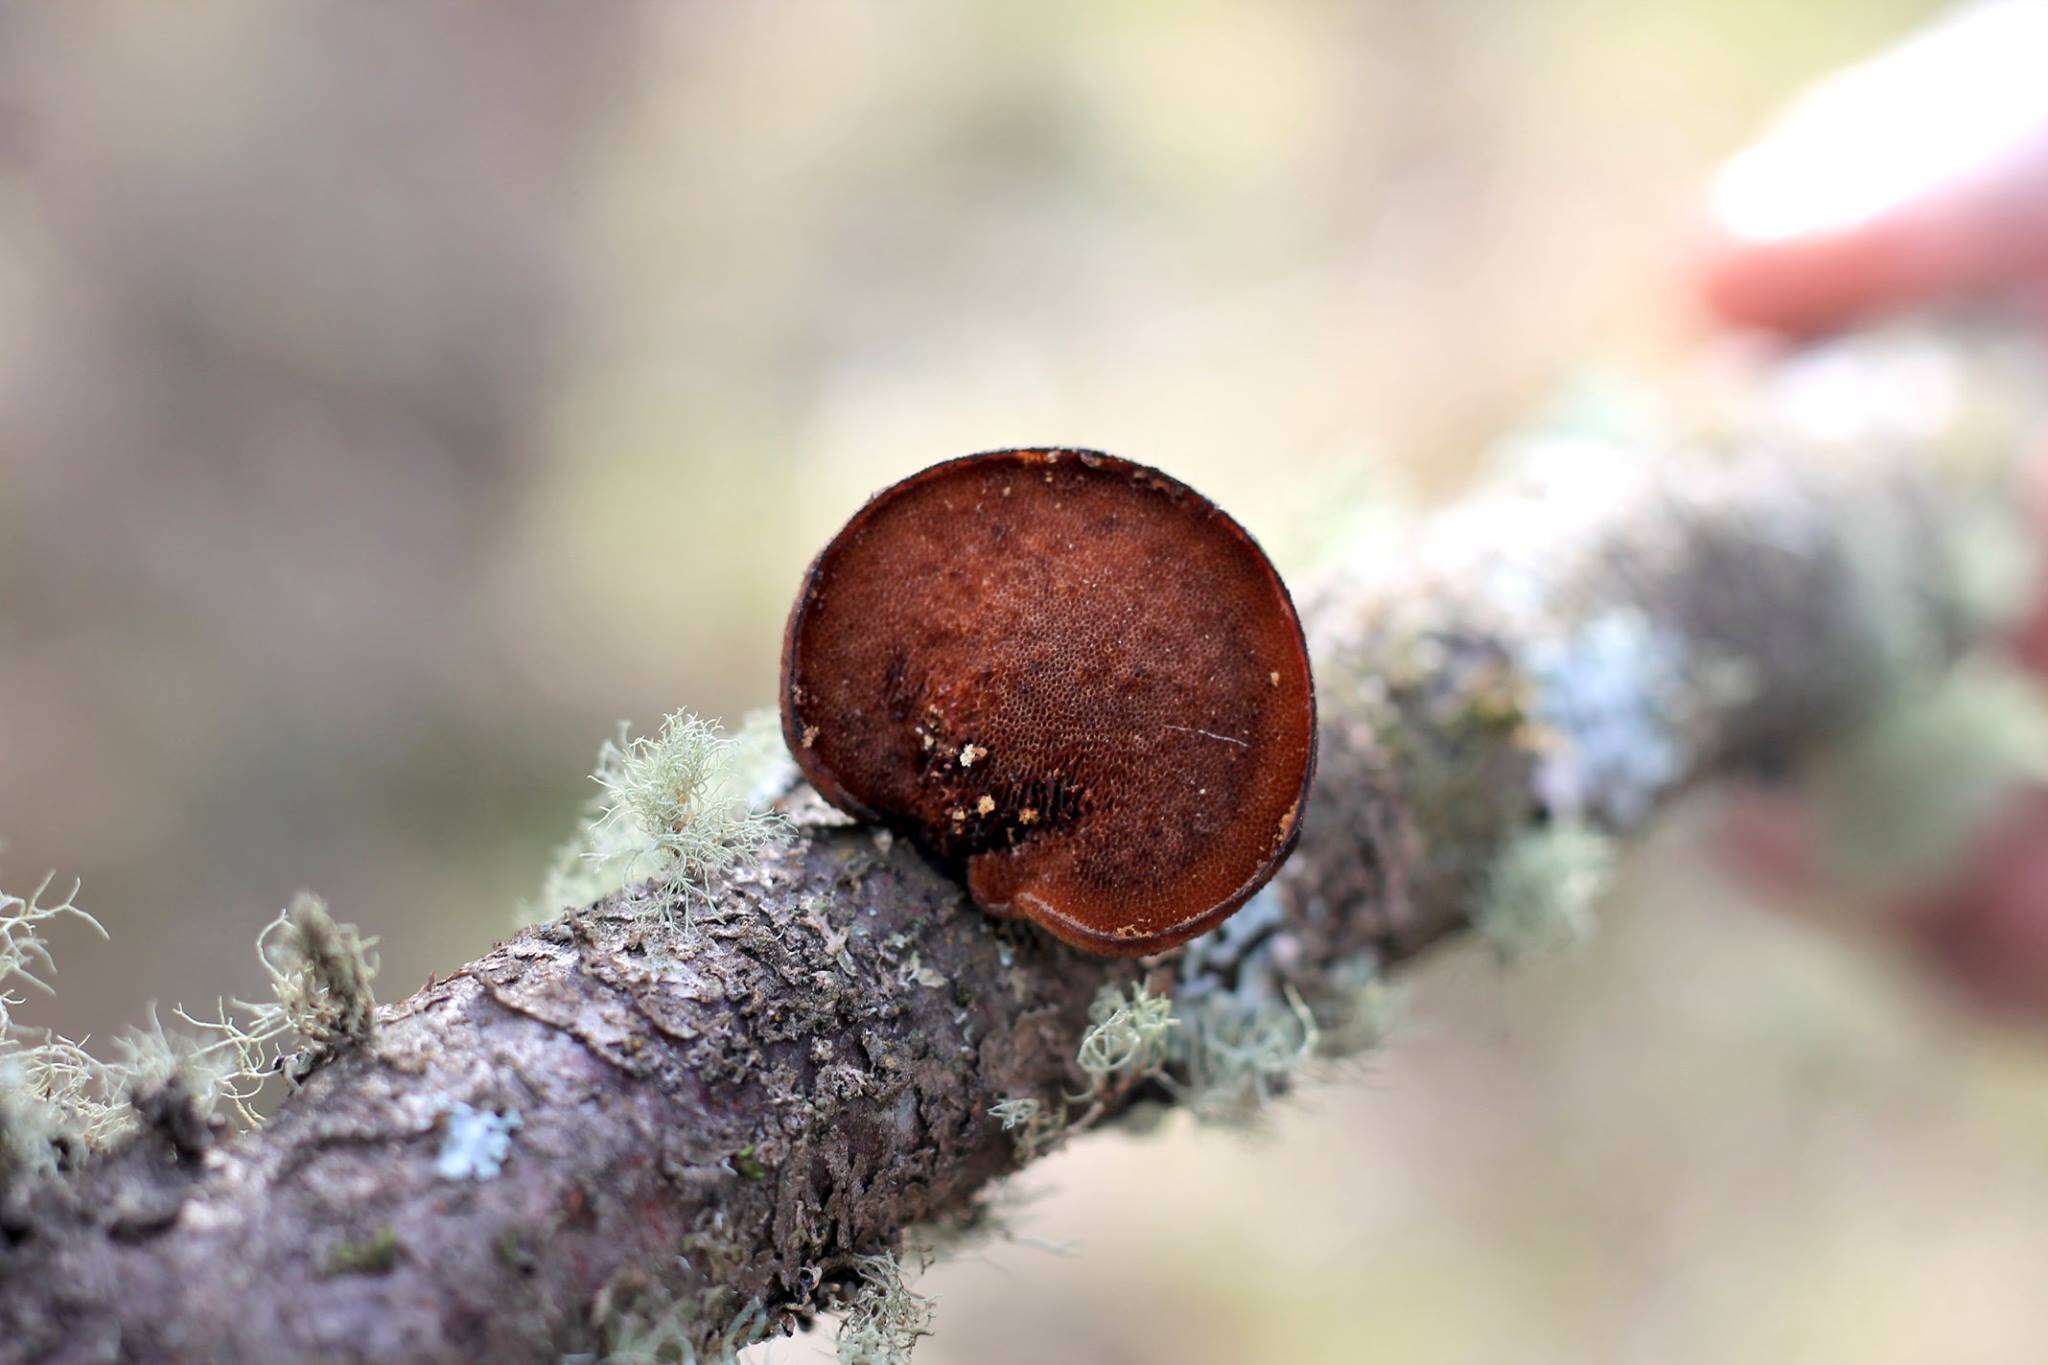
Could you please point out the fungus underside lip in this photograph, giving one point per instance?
(1029, 905)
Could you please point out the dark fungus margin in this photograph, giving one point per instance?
(1070, 675)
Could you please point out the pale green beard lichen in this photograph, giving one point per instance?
(320, 974)
(1129, 1039)
(1901, 798)
(884, 1319)
(23, 950)
(30, 1127)
(1223, 1057)
(678, 808)
(644, 1324)
(1243, 1045)
(1358, 1009)
(1232, 1055)
(1032, 1127)
(1126, 1040)
(49, 1087)
(55, 1095)
(1541, 892)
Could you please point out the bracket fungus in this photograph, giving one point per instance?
(1073, 677)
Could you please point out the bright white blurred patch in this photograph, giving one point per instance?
(1955, 100)
(1848, 395)
(476, 1143)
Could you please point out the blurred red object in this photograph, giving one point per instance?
(1915, 178)
(1986, 927)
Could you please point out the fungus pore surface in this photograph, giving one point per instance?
(1068, 674)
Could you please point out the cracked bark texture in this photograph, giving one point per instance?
(723, 1116)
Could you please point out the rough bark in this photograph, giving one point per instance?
(724, 1115)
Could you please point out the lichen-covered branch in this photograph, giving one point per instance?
(646, 1133)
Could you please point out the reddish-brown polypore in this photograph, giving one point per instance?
(1068, 673)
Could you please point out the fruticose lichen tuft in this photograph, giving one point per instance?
(1901, 797)
(23, 951)
(1031, 1125)
(56, 1097)
(1543, 888)
(53, 1094)
(320, 975)
(1250, 1030)
(1357, 1010)
(1126, 1039)
(1222, 1054)
(677, 807)
(884, 1319)
(1233, 1055)
(646, 1324)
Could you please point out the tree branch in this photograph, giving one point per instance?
(611, 1120)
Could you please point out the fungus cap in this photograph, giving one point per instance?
(1071, 675)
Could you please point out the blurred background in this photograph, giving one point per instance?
(392, 399)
